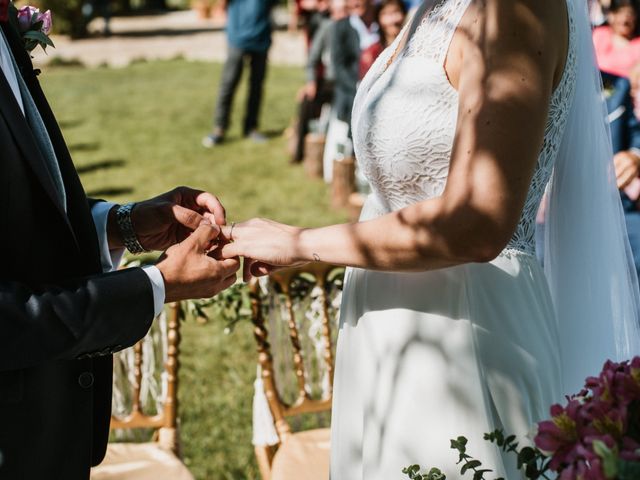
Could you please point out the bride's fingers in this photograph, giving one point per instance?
(260, 269)
(230, 250)
(246, 269)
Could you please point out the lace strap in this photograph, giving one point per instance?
(434, 35)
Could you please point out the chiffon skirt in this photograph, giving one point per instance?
(423, 358)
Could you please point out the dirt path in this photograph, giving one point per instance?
(164, 36)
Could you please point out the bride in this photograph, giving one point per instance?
(449, 326)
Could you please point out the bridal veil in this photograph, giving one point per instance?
(588, 261)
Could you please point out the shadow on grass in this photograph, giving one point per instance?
(273, 133)
(84, 147)
(109, 191)
(103, 164)
(71, 123)
(164, 32)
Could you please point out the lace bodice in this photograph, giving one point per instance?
(404, 120)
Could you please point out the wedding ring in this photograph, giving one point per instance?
(233, 224)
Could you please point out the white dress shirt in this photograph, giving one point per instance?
(110, 259)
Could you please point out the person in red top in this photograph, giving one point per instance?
(617, 44)
(390, 16)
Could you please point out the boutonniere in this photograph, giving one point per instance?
(33, 25)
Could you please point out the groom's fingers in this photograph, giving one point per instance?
(187, 217)
(229, 281)
(204, 236)
(226, 231)
(211, 203)
(228, 268)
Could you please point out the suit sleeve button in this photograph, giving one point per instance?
(85, 380)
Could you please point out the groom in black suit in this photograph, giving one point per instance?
(62, 312)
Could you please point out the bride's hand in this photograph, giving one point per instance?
(265, 245)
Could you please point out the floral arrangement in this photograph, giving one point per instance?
(595, 436)
(34, 26)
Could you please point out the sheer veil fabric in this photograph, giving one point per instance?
(588, 261)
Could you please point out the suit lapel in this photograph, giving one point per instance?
(20, 129)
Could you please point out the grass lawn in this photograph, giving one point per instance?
(135, 132)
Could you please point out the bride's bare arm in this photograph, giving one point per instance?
(506, 58)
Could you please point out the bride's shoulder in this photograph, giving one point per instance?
(500, 25)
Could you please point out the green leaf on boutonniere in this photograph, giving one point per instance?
(39, 37)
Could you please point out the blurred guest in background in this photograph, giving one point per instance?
(390, 17)
(597, 9)
(308, 15)
(249, 37)
(617, 44)
(411, 5)
(350, 37)
(317, 18)
(318, 90)
(625, 140)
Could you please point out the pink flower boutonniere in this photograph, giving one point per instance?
(34, 27)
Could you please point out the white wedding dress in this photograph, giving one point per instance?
(425, 357)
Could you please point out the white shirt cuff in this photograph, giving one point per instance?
(157, 285)
(110, 259)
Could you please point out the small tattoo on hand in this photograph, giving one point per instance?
(316, 257)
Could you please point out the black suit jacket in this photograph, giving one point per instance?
(345, 57)
(60, 317)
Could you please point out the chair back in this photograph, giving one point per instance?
(298, 374)
(146, 383)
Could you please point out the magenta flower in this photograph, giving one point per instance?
(35, 27)
(47, 21)
(29, 16)
(597, 428)
(25, 16)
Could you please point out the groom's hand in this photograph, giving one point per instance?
(168, 218)
(189, 271)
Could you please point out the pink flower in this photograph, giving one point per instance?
(25, 14)
(29, 16)
(605, 415)
(47, 21)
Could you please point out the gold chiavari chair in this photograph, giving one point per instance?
(302, 453)
(145, 403)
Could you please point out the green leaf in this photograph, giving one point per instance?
(479, 475)
(525, 456)
(435, 474)
(532, 471)
(459, 444)
(38, 37)
(411, 469)
(609, 458)
(472, 464)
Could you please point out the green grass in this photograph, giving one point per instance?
(135, 132)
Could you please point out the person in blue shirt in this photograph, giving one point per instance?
(248, 37)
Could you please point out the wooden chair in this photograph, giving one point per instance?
(297, 454)
(135, 414)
